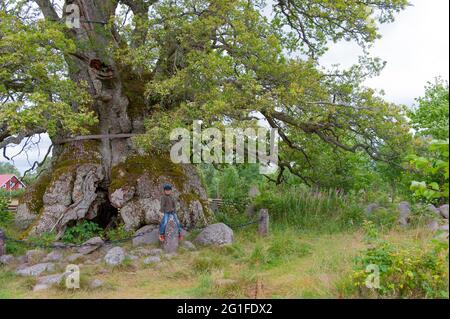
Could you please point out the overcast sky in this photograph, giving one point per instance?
(415, 47)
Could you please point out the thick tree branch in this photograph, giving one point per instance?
(47, 9)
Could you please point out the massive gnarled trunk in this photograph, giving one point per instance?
(107, 179)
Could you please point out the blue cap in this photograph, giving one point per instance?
(167, 187)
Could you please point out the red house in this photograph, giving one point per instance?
(10, 182)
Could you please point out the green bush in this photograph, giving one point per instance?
(118, 233)
(81, 232)
(5, 216)
(410, 272)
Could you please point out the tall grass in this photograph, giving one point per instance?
(304, 209)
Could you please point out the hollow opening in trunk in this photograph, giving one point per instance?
(107, 215)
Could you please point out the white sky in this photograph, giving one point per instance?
(415, 47)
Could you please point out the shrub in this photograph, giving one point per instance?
(405, 272)
(118, 233)
(5, 216)
(81, 232)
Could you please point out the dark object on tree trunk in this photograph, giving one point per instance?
(170, 243)
(2, 243)
(263, 226)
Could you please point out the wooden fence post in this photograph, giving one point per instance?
(263, 226)
(2, 243)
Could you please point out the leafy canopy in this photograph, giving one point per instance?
(227, 62)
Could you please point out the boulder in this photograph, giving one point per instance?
(433, 225)
(140, 252)
(54, 256)
(155, 252)
(90, 246)
(147, 235)
(115, 256)
(95, 284)
(74, 257)
(51, 279)
(170, 243)
(36, 270)
(34, 256)
(371, 208)
(6, 260)
(404, 210)
(152, 260)
(215, 234)
(434, 210)
(444, 211)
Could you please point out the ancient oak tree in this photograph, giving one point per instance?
(147, 66)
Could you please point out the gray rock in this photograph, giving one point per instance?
(444, 211)
(170, 243)
(371, 208)
(215, 234)
(6, 260)
(55, 256)
(444, 227)
(188, 245)
(115, 256)
(36, 270)
(404, 210)
(140, 252)
(95, 284)
(152, 260)
(434, 210)
(21, 259)
(433, 225)
(51, 279)
(155, 252)
(90, 246)
(74, 257)
(34, 256)
(148, 235)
